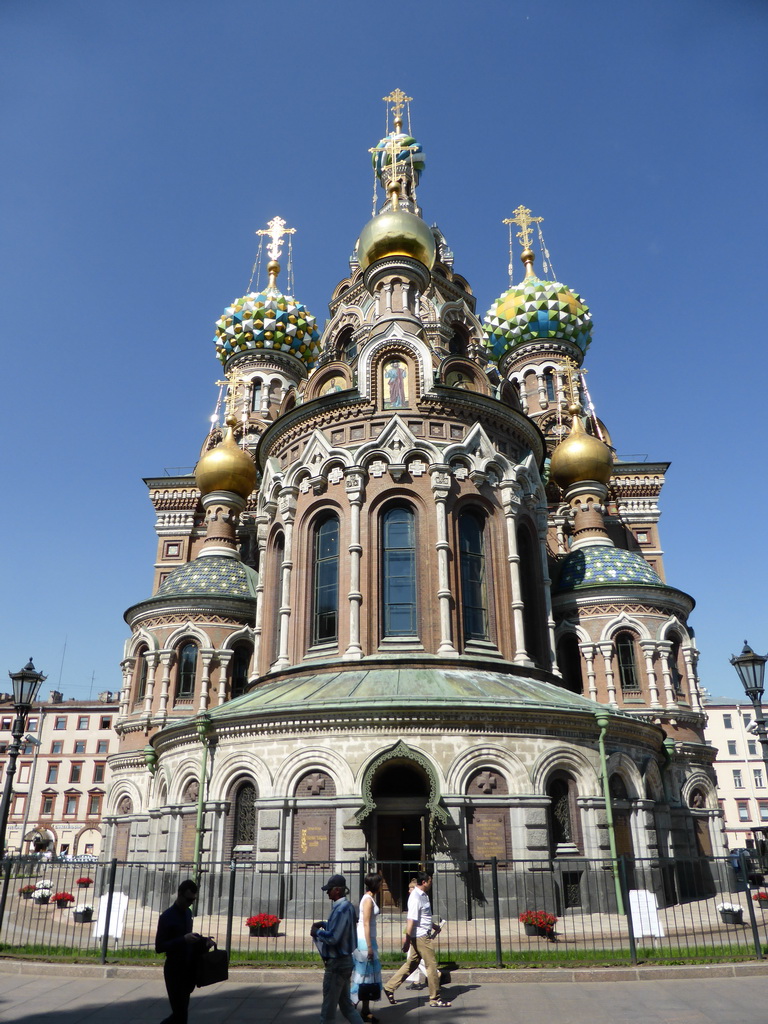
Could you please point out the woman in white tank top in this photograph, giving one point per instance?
(367, 966)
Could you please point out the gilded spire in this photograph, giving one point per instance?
(522, 217)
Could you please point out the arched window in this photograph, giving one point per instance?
(256, 396)
(458, 343)
(185, 686)
(241, 661)
(569, 663)
(325, 588)
(625, 657)
(398, 572)
(346, 345)
(276, 579)
(549, 380)
(534, 615)
(674, 665)
(474, 595)
(244, 824)
(140, 674)
(564, 815)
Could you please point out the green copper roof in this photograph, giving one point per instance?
(210, 576)
(600, 566)
(414, 687)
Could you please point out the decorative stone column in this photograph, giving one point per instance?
(589, 651)
(206, 657)
(440, 479)
(510, 498)
(166, 660)
(355, 487)
(606, 649)
(223, 658)
(690, 657)
(127, 667)
(261, 540)
(153, 660)
(649, 648)
(287, 505)
(665, 649)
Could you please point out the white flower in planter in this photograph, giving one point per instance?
(736, 908)
(44, 883)
(42, 893)
(83, 908)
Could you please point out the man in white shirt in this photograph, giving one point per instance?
(418, 942)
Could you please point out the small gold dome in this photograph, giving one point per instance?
(226, 467)
(396, 233)
(580, 456)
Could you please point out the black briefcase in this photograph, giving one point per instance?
(211, 967)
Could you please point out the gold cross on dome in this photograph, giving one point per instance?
(276, 229)
(572, 374)
(522, 217)
(398, 99)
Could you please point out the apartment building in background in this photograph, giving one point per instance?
(741, 775)
(61, 774)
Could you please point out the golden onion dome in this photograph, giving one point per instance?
(396, 233)
(580, 456)
(226, 467)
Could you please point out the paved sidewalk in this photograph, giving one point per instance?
(728, 994)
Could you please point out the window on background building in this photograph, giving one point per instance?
(106, 722)
(743, 810)
(474, 598)
(732, 748)
(325, 614)
(737, 779)
(747, 719)
(763, 811)
(727, 722)
(7, 723)
(24, 770)
(28, 748)
(79, 746)
(52, 774)
(752, 748)
(94, 804)
(46, 806)
(758, 777)
(187, 670)
(57, 747)
(75, 772)
(32, 724)
(82, 722)
(102, 746)
(98, 772)
(70, 804)
(60, 722)
(399, 573)
(19, 802)
(3, 747)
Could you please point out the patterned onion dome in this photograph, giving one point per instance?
(535, 311)
(211, 576)
(268, 320)
(409, 153)
(226, 467)
(600, 566)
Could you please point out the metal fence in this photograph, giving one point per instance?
(481, 902)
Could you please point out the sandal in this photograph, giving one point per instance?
(370, 1019)
(438, 1002)
(390, 996)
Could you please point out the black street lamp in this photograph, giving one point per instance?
(26, 684)
(751, 669)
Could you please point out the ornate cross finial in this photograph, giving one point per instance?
(398, 99)
(522, 217)
(276, 229)
(572, 381)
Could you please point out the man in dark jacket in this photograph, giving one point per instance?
(181, 946)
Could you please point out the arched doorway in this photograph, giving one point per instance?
(399, 827)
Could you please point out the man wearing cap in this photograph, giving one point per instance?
(336, 938)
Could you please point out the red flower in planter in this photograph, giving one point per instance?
(62, 896)
(539, 919)
(262, 921)
(84, 881)
(760, 897)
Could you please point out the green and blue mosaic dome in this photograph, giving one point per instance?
(409, 153)
(268, 320)
(600, 566)
(211, 576)
(536, 311)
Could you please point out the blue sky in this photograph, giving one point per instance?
(145, 142)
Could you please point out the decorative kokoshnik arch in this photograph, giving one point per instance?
(438, 816)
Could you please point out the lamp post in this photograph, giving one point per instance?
(26, 684)
(751, 669)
